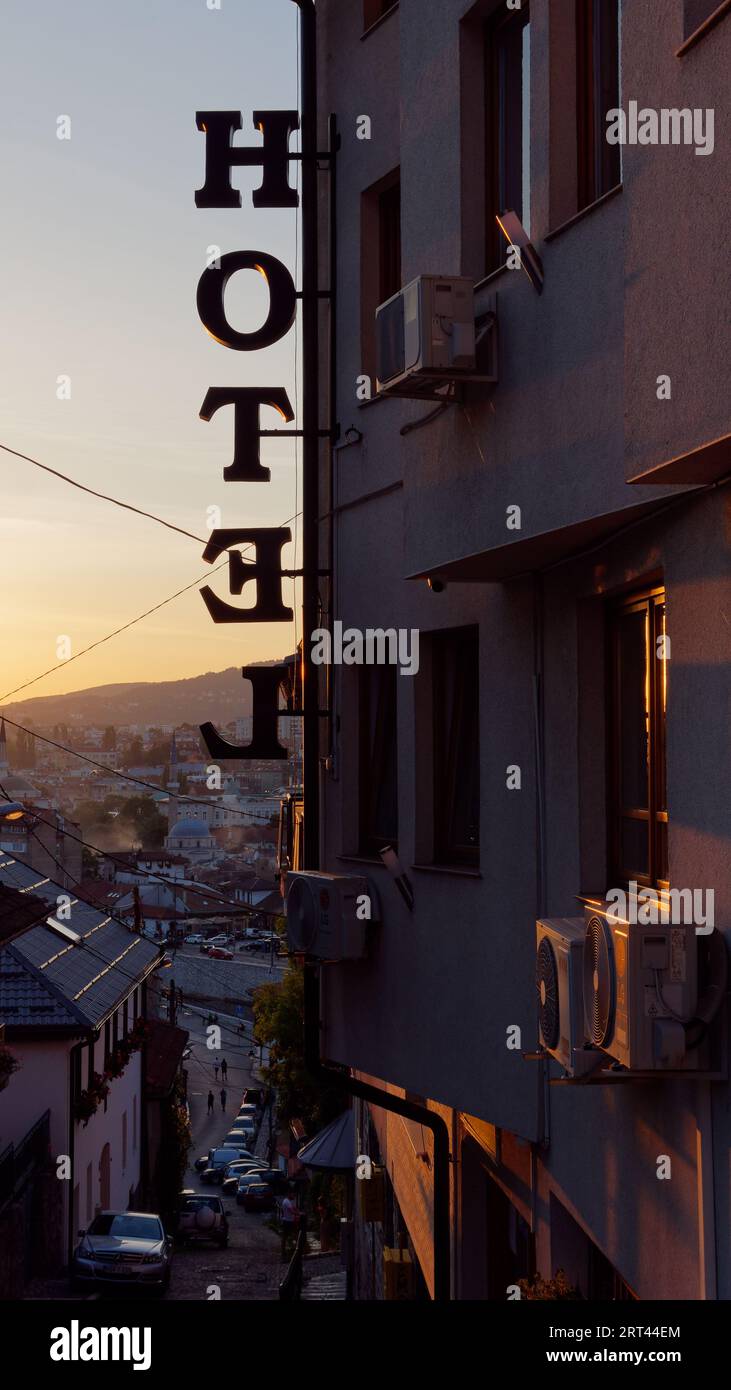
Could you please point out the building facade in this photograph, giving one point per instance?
(559, 540)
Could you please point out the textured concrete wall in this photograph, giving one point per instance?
(635, 288)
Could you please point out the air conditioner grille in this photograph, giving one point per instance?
(598, 981)
(547, 985)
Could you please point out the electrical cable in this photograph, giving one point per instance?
(127, 777)
(132, 623)
(246, 909)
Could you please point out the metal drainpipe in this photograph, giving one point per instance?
(70, 1233)
(330, 1074)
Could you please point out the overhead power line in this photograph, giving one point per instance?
(205, 890)
(133, 621)
(126, 776)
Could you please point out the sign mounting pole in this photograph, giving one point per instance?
(311, 433)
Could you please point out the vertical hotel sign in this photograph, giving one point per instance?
(275, 191)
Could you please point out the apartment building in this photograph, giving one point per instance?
(559, 539)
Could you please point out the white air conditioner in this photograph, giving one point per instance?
(323, 915)
(640, 990)
(559, 982)
(426, 338)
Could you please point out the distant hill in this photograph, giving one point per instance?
(218, 695)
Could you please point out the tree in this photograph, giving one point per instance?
(135, 752)
(279, 1024)
(109, 741)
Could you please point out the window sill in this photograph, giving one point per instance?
(374, 860)
(585, 212)
(457, 870)
(705, 28)
(378, 22)
(494, 275)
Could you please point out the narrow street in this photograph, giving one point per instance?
(251, 1267)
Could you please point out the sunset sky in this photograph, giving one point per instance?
(102, 248)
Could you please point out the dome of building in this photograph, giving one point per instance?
(189, 829)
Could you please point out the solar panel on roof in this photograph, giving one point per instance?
(63, 930)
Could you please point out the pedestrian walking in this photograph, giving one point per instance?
(216, 1065)
(223, 1098)
(224, 1069)
(211, 1102)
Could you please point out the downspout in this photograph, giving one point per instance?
(70, 1233)
(330, 1074)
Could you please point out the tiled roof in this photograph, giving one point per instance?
(48, 979)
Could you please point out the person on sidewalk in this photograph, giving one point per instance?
(224, 1069)
(216, 1065)
(290, 1221)
(223, 1099)
(211, 1102)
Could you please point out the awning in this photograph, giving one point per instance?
(333, 1148)
(530, 553)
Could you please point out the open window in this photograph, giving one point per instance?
(638, 679)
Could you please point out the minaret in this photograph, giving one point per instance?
(173, 784)
(4, 764)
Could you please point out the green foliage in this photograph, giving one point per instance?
(109, 741)
(175, 1140)
(279, 1024)
(557, 1289)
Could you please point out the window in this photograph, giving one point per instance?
(597, 92)
(638, 667)
(373, 10)
(124, 1140)
(134, 1124)
(380, 257)
(125, 1018)
(107, 1043)
(508, 125)
(378, 773)
(455, 708)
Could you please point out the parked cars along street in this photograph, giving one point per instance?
(200, 1217)
(123, 1247)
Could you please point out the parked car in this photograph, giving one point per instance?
(277, 1180)
(248, 1111)
(241, 1134)
(230, 1184)
(220, 953)
(123, 1247)
(242, 1138)
(244, 1183)
(218, 1161)
(254, 1095)
(258, 1196)
(200, 1217)
(194, 940)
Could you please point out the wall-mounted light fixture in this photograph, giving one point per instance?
(515, 234)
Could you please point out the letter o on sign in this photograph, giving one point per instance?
(282, 300)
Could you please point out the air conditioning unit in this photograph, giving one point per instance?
(640, 990)
(426, 338)
(559, 982)
(323, 915)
